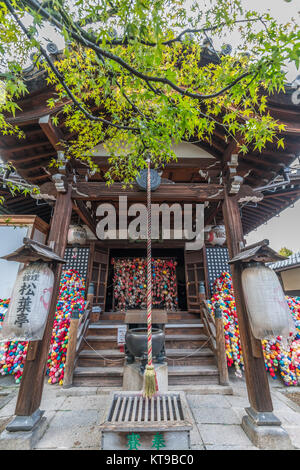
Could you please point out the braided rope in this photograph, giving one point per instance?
(149, 271)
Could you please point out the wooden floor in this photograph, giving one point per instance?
(190, 361)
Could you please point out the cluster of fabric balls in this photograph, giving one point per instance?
(130, 283)
(281, 357)
(13, 353)
(224, 297)
(71, 295)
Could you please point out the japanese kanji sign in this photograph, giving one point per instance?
(29, 305)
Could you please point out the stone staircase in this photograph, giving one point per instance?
(190, 360)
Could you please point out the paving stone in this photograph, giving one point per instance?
(72, 429)
(215, 416)
(289, 417)
(9, 408)
(195, 436)
(77, 391)
(240, 412)
(73, 416)
(52, 403)
(238, 401)
(221, 447)
(199, 401)
(197, 447)
(294, 434)
(222, 435)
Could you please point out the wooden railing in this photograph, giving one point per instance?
(209, 325)
(215, 331)
(77, 330)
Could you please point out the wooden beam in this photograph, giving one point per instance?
(258, 210)
(260, 161)
(212, 214)
(183, 192)
(37, 177)
(80, 208)
(31, 158)
(28, 146)
(54, 134)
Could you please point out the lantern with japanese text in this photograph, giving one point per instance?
(76, 237)
(27, 314)
(267, 307)
(216, 235)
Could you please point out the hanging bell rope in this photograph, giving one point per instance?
(150, 380)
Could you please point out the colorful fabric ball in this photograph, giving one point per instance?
(281, 358)
(13, 353)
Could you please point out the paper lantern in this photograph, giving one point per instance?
(77, 235)
(28, 309)
(266, 305)
(217, 235)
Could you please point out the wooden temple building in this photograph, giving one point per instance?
(239, 192)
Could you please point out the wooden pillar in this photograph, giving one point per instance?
(71, 352)
(32, 383)
(255, 371)
(220, 346)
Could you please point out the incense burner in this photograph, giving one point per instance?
(136, 345)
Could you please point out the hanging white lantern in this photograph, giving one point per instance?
(217, 236)
(267, 308)
(28, 309)
(77, 235)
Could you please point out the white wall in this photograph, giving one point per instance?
(11, 238)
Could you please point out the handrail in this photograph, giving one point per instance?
(215, 330)
(82, 330)
(209, 324)
(77, 329)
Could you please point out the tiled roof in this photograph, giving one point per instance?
(292, 260)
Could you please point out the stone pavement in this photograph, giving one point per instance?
(73, 415)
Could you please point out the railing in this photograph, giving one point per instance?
(209, 325)
(77, 330)
(215, 331)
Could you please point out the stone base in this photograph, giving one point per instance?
(265, 431)
(23, 440)
(25, 423)
(133, 380)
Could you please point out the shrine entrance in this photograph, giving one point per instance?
(126, 280)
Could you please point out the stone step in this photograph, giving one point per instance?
(101, 358)
(112, 316)
(98, 376)
(100, 342)
(113, 376)
(116, 358)
(193, 341)
(103, 329)
(204, 374)
(187, 357)
(184, 328)
(185, 341)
